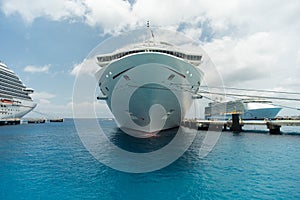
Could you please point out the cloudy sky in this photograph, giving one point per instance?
(253, 43)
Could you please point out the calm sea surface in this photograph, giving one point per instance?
(48, 161)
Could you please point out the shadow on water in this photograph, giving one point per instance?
(157, 141)
(140, 145)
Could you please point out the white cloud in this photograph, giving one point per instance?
(194, 33)
(99, 108)
(46, 108)
(36, 69)
(42, 95)
(298, 59)
(87, 67)
(263, 55)
(51, 110)
(112, 15)
(29, 10)
(241, 16)
(253, 43)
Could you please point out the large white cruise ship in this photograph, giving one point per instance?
(15, 101)
(250, 109)
(149, 86)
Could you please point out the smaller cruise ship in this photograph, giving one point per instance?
(250, 109)
(15, 101)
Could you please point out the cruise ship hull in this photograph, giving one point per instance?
(149, 92)
(261, 113)
(15, 101)
(249, 110)
(16, 108)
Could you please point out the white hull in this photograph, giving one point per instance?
(8, 110)
(260, 111)
(15, 101)
(148, 91)
(249, 110)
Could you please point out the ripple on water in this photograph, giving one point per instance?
(49, 162)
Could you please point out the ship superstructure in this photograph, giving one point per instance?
(15, 101)
(250, 109)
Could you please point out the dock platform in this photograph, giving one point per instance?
(36, 121)
(17, 121)
(56, 120)
(235, 125)
(10, 121)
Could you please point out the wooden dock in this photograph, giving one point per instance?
(235, 125)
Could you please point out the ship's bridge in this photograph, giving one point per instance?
(28, 90)
(162, 47)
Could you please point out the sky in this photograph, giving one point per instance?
(253, 43)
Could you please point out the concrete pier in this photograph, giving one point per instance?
(36, 121)
(273, 128)
(236, 127)
(10, 121)
(236, 124)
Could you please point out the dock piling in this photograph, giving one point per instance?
(274, 129)
(10, 121)
(236, 127)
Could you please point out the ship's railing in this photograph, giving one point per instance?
(178, 54)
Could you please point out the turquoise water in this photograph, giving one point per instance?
(48, 161)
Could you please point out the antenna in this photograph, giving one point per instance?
(150, 30)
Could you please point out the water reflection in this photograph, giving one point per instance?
(141, 145)
(120, 151)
